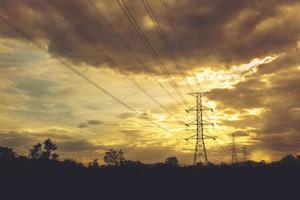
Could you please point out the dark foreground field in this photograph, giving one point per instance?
(40, 179)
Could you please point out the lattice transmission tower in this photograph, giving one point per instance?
(234, 158)
(245, 153)
(200, 152)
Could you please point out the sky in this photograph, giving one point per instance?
(245, 53)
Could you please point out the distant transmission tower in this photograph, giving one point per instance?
(200, 148)
(245, 153)
(234, 158)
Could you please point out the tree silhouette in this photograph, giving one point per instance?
(172, 161)
(36, 151)
(114, 157)
(132, 163)
(94, 164)
(49, 148)
(71, 163)
(46, 152)
(7, 153)
(288, 160)
(54, 156)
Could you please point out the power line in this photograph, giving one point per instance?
(99, 49)
(132, 54)
(150, 48)
(168, 17)
(151, 97)
(155, 101)
(75, 71)
(166, 42)
(166, 11)
(223, 149)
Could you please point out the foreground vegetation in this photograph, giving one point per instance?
(41, 174)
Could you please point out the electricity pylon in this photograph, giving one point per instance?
(245, 153)
(200, 148)
(234, 158)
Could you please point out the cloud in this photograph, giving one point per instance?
(208, 30)
(131, 133)
(273, 89)
(286, 60)
(244, 95)
(126, 115)
(240, 133)
(52, 133)
(89, 123)
(216, 36)
(83, 126)
(78, 146)
(14, 138)
(93, 122)
(25, 137)
(284, 143)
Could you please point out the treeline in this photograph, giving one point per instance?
(42, 174)
(46, 152)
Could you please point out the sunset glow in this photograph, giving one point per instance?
(245, 55)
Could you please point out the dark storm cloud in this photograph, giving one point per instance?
(215, 31)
